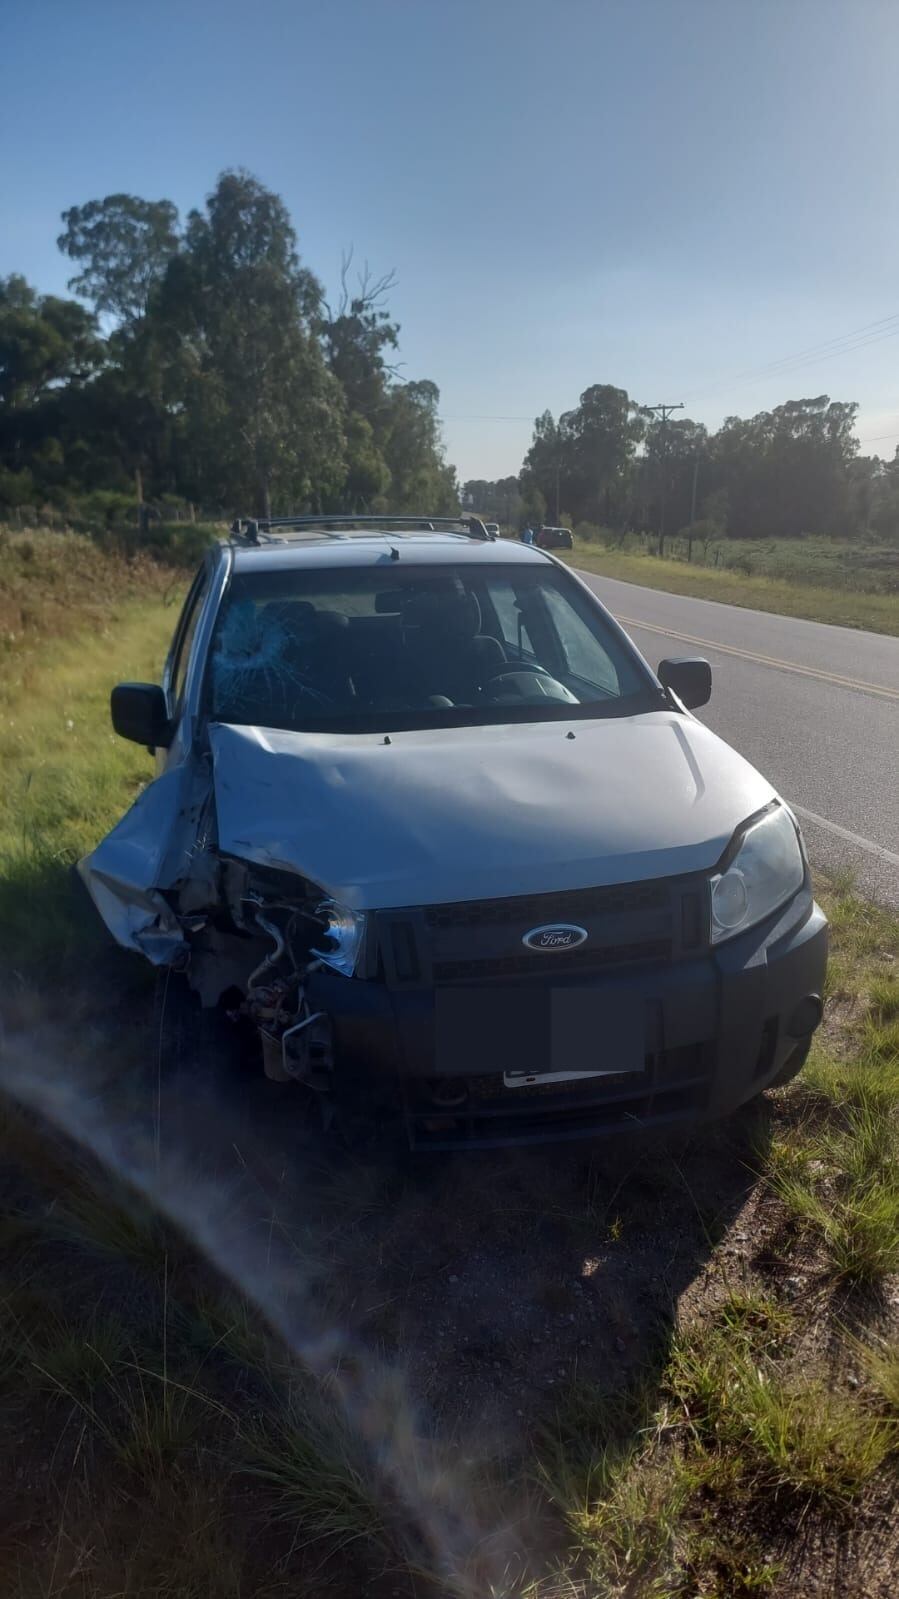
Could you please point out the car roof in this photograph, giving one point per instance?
(370, 549)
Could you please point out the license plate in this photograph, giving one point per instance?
(531, 1079)
(539, 1034)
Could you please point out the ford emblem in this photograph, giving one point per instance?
(555, 936)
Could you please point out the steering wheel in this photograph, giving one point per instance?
(494, 681)
(509, 668)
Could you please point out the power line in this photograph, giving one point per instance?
(869, 333)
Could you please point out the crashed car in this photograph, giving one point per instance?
(428, 825)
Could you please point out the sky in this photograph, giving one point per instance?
(691, 199)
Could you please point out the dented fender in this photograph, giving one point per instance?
(149, 852)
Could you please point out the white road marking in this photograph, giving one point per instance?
(843, 832)
(765, 660)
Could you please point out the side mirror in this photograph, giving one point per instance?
(689, 678)
(139, 713)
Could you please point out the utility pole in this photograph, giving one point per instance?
(664, 411)
(692, 509)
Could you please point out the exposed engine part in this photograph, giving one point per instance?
(270, 961)
(297, 1043)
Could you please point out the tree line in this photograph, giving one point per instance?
(202, 364)
(613, 463)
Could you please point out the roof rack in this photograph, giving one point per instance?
(276, 529)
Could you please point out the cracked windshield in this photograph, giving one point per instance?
(449, 817)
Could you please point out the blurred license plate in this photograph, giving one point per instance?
(540, 1035)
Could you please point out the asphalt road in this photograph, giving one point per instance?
(815, 708)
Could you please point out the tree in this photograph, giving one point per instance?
(125, 245)
(420, 477)
(585, 460)
(262, 414)
(44, 342)
(787, 470)
(500, 501)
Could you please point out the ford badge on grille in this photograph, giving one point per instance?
(555, 936)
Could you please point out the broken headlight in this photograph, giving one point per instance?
(766, 868)
(343, 932)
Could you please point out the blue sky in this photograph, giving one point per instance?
(668, 195)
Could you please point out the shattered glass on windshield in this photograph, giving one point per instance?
(264, 660)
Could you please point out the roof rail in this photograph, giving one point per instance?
(272, 529)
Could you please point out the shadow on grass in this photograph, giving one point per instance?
(52, 933)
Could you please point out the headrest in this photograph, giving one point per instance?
(449, 612)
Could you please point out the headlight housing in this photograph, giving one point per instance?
(344, 930)
(766, 869)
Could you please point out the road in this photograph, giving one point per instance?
(815, 708)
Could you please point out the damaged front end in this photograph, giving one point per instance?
(246, 936)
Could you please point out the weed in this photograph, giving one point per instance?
(795, 1439)
(75, 1360)
(883, 999)
(157, 1422)
(109, 1219)
(760, 1321)
(881, 1362)
(842, 1185)
(321, 1482)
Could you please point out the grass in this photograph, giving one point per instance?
(664, 1490)
(878, 613)
(67, 777)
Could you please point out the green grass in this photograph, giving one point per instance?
(67, 778)
(878, 613)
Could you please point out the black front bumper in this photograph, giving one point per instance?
(718, 1026)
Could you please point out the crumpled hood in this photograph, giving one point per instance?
(482, 812)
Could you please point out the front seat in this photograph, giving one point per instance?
(446, 650)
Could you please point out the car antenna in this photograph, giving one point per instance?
(394, 553)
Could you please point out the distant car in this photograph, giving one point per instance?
(492, 529)
(433, 839)
(555, 538)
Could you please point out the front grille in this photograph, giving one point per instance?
(534, 910)
(482, 940)
(539, 962)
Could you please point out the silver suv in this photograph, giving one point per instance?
(426, 823)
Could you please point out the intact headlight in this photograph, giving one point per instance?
(343, 933)
(767, 869)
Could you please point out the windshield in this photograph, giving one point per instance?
(362, 649)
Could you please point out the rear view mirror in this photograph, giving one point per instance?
(139, 713)
(690, 678)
